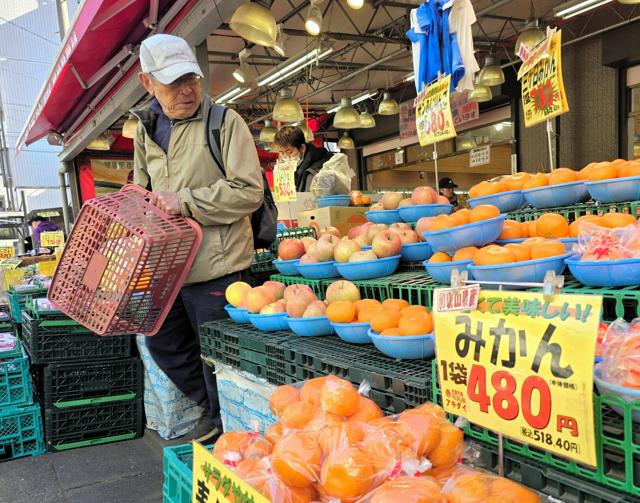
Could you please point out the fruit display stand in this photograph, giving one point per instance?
(572, 213)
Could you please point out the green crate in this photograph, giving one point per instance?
(18, 300)
(297, 232)
(10, 328)
(369, 288)
(178, 473)
(21, 432)
(262, 262)
(623, 302)
(572, 213)
(416, 290)
(15, 380)
(617, 444)
(317, 285)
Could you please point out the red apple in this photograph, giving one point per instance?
(344, 249)
(442, 200)
(274, 307)
(307, 241)
(290, 249)
(408, 237)
(276, 288)
(316, 308)
(298, 305)
(400, 226)
(329, 230)
(354, 232)
(373, 231)
(386, 244)
(256, 298)
(361, 256)
(376, 207)
(363, 240)
(406, 202)
(309, 258)
(342, 290)
(325, 247)
(424, 224)
(424, 195)
(391, 200)
(295, 290)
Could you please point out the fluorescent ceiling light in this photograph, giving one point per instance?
(239, 95)
(34, 192)
(228, 95)
(569, 10)
(409, 78)
(295, 66)
(354, 100)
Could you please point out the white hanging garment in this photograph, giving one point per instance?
(461, 20)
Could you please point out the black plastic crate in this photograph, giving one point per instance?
(48, 342)
(75, 427)
(563, 487)
(75, 384)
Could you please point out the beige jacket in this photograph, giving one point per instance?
(222, 206)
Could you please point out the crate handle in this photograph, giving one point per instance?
(92, 401)
(94, 441)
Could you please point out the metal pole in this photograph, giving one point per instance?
(63, 17)
(435, 166)
(5, 165)
(63, 196)
(552, 163)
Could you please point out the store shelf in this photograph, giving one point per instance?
(20, 432)
(572, 213)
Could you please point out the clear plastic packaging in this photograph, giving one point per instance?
(7, 342)
(602, 243)
(333, 178)
(468, 485)
(620, 352)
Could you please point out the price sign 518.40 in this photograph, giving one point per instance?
(523, 366)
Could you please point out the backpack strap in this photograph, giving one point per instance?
(215, 120)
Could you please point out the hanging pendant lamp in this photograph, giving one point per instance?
(346, 142)
(346, 117)
(129, 128)
(367, 121)
(255, 23)
(480, 94)
(355, 4)
(491, 74)
(388, 106)
(313, 21)
(287, 109)
(268, 133)
(530, 36)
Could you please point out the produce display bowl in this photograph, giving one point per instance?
(269, 322)
(369, 269)
(404, 347)
(310, 327)
(625, 394)
(383, 216)
(441, 271)
(287, 267)
(624, 272)
(505, 201)
(475, 234)
(551, 196)
(567, 242)
(616, 190)
(334, 200)
(527, 271)
(417, 211)
(354, 333)
(237, 314)
(413, 252)
(318, 270)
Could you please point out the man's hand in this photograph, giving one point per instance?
(167, 202)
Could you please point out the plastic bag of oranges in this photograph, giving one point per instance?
(608, 243)
(621, 354)
(236, 446)
(469, 485)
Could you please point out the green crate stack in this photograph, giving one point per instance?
(572, 213)
(416, 289)
(89, 387)
(262, 262)
(617, 445)
(18, 300)
(317, 285)
(178, 474)
(622, 302)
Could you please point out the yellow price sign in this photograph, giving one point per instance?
(523, 366)
(51, 239)
(7, 252)
(433, 113)
(284, 181)
(215, 482)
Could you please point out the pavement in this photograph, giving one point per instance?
(123, 472)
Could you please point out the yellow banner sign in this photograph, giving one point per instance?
(213, 482)
(433, 113)
(7, 252)
(543, 95)
(523, 366)
(284, 181)
(51, 239)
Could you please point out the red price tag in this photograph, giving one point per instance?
(464, 298)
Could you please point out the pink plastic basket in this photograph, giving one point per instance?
(124, 264)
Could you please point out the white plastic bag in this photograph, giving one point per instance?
(334, 177)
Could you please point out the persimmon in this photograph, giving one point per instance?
(521, 251)
(552, 225)
(439, 257)
(493, 255)
(511, 230)
(536, 180)
(516, 181)
(461, 217)
(442, 222)
(562, 175)
(548, 248)
(485, 189)
(483, 212)
(387, 318)
(342, 311)
(602, 171)
(466, 253)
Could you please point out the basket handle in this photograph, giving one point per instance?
(131, 187)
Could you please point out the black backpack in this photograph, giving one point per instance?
(264, 220)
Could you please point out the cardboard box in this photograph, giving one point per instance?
(341, 217)
(288, 212)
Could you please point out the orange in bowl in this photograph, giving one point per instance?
(552, 225)
(466, 253)
(562, 175)
(521, 251)
(615, 220)
(493, 255)
(547, 248)
(485, 189)
(439, 257)
(483, 212)
(461, 217)
(516, 181)
(442, 222)
(574, 228)
(602, 171)
(511, 230)
(535, 181)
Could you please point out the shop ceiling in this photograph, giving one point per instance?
(369, 49)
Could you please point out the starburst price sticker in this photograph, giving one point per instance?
(433, 113)
(522, 366)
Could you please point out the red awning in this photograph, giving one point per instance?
(97, 54)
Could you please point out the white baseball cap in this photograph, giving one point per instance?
(167, 58)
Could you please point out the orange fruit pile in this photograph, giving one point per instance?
(468, 485)
(505, 184)
(464, 216)
(607, 170)
(529, 249)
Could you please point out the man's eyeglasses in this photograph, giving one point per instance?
(189, 80)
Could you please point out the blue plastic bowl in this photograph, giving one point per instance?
(310, 327)
(475, 234)
(617, 190)
(369, 269)
(551, 196)
(366, 247)
(505, 201)
(383, 216)
(567, 242)
(528, 271)
(441, 271)
(417, 211)
(287, 267)
(625, 394)
(354, 333)
(318, 270)
(411, 347)
(334, 200)
(237, 314)
(624, 272)
(416, 251)
(269, 322)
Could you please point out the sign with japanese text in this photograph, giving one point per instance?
(7, 252)
(479, 156)
(543, 95)
(284, 181)
(463, 110)
(456, 299)
(407, 119)
(10, 263)
(51, 239)
(433, 113)
(213, 482)
(523, 366)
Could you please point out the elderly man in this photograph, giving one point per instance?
(174, 160)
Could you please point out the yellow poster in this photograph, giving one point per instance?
(523, 366)
(433, 113)
(7, 252)
(51, 239)
(543, 95)
(284, 181)
(213, 482)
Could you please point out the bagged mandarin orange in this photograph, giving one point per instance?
(468, 485)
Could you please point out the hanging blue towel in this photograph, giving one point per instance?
(450, 51)
(428, 19)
